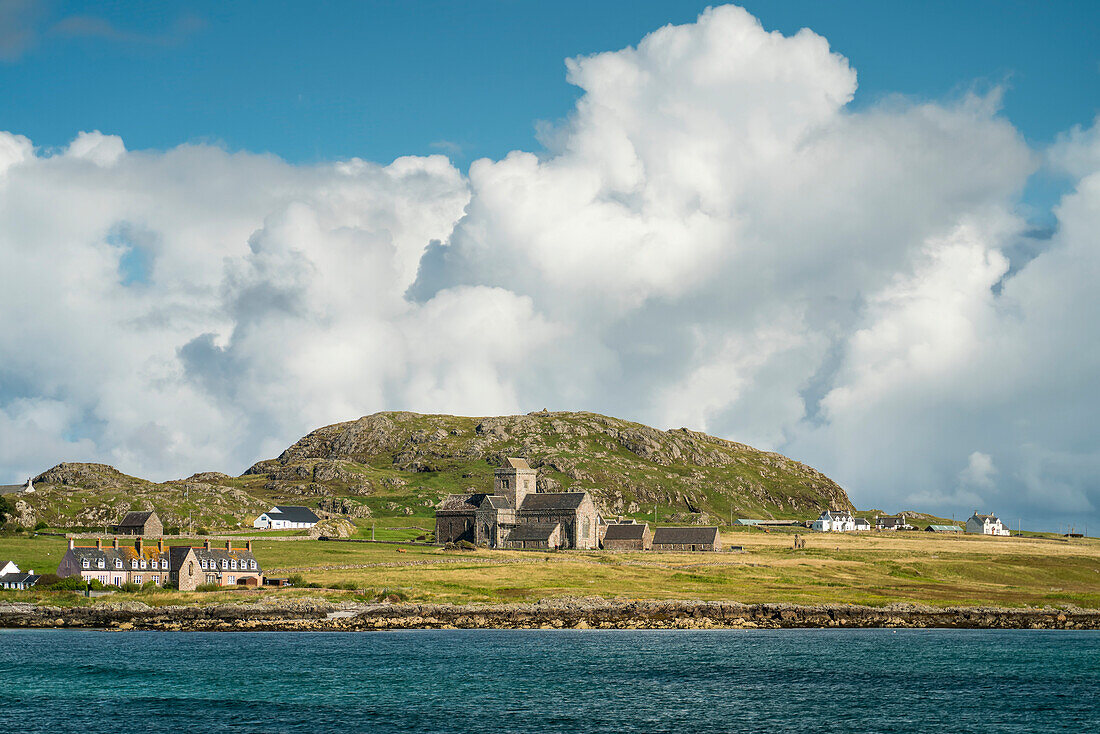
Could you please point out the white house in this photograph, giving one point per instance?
(835, 521)
(985, 525)
(861, 523)
(8, 567)
(286, 517)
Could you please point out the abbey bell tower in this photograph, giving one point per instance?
(514, 480)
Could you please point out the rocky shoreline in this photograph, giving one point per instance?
(320, 615)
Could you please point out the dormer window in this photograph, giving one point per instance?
(253, 564)
(225, 563)
(143, 563)
(233, 564)
(85, 563)
(133, 563)
(100, 563)
(118, 563)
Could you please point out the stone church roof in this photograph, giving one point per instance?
(460, 502)
(515, 463)
(541, 501)
(532, 531)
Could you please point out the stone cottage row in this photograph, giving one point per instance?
(180, 566)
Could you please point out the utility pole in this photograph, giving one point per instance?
(372, 531)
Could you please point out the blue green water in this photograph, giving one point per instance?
(551, 681)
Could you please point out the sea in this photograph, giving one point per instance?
(819, 680)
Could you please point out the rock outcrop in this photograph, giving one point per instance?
(320, 615)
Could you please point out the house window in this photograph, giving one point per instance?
(118, 563)
(203, 562)
(233, 564)
(101, 564)
(133, 564)
(137, 579)
(232, 580)
(143, 563)
(253, 564)
(85, 563)
(190, 568)
(155, 579)
(225, 563)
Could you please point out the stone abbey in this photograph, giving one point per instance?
(516, 515)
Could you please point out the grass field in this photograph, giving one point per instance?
(874, 569)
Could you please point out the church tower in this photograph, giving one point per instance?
(514, 480)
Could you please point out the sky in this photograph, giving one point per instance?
(858, 233)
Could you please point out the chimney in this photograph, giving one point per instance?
(160, 545)
(114, 543)
(248, 545)
(72, 543)
(137, 545)
(99, 544)
(206, 545)
(229, 545)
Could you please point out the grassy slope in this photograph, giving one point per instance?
(865, 569)
(399, 465)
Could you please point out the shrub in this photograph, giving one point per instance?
(208, 587)
(201, 531)
(75, 583)
(129, 587)
(49, 579)
(296, 580)
(347, 586)
(172, 530)
(41, 525)
(466, 545)
(150, 586)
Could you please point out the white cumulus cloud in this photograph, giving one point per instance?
(714, 238)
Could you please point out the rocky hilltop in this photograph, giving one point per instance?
(401, 464)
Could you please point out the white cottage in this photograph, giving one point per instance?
(985, 525)
(835, 521)
(286, 517)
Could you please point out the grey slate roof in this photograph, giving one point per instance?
(109, 555)
(499, 503)
(134, 520)
(541, 501)
(27, 579)
(685, 536)
(215, 556)
(459, 502)
(294, 513)
(532, 531)
(516, 463)
(625, 531)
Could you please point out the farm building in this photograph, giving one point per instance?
(944, 529)
(892, 522)
(985, 525)
(835, 521)
(628, 536)
(139, 523)
(12, 578)
(286, 517)
(687, 539)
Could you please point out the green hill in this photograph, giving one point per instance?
(399, 465)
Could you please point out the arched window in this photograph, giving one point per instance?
(190, 568)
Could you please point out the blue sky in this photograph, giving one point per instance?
(896, 289)
(323, 80)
